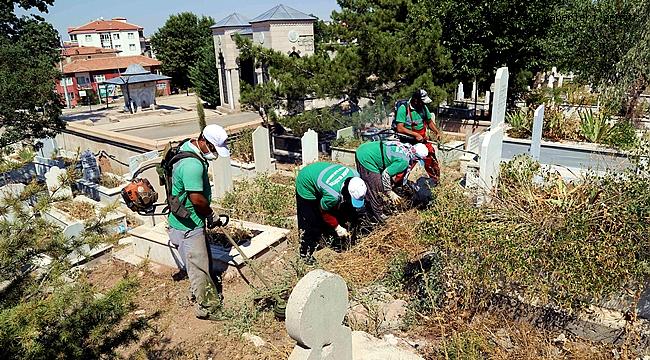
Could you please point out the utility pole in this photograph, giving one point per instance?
(64, 80)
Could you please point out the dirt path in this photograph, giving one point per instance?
(176, 333)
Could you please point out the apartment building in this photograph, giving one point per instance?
(116, 34)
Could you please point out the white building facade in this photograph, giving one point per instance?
(115, 34)
(281, 28)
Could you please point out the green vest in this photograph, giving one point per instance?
(323, 181)
(189, 174)
(416, 120)
(395, 157)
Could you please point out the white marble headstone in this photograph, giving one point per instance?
(490, 157)
(560, 80)
(54, 181)
(538, 125)
(262, 150)
(221, 176)
(460, 94)
(474, 90)
(551, 80)
(309, 147)
(500, 98)
(314, 318)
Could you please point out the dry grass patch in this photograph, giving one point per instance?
(369, 259)
(77, 209)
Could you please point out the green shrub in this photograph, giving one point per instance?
(623, 135)
(242, 147)
(520, 123)
(554, 242)
(595, 127)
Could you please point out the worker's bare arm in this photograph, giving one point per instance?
(201, 204)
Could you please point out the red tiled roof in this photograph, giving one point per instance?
(111, 63)
(103, 25)
(86, 50)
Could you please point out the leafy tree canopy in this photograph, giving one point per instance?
(204, 75)
(29, 108)
(178, 45)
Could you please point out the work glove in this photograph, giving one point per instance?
(342, 232)
(211, 223)
(394, 198)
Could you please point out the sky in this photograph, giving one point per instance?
(151, 14)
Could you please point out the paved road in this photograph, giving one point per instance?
(568, 158)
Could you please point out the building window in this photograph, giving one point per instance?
(131, 36)
(117, 47)
(131, 47)
(116, 36)
(82, 80)
(73, 37)
(89, 38)
(66, 81)
(100, 78)
(105, 36)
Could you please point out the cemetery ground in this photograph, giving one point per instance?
(440, 268)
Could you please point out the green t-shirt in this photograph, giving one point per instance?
(396, 158)
(417, 120)
(189, 174)
(324, 181)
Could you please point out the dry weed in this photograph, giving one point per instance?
(368, 260)
(77, 209)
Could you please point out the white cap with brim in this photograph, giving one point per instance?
(217, 136)
(357, 189)
(425, 97)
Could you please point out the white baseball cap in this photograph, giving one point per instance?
(357, 189)
(217, 136)
(424, 96)
(421, 150)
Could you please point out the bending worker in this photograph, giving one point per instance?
(327, 195)
(383, 165)
(191, 187)
(412, 119)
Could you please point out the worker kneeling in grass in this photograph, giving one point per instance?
(327, 195)
(384, 165)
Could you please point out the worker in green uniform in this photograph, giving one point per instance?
(191, 185)
(383, 165)
(326, 194)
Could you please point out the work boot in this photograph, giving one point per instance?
(201, 312)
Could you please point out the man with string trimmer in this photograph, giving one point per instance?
(412, 118)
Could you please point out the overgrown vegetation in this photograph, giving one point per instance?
(558, 243)
(242, 148)
(263, 201)
(47, 310)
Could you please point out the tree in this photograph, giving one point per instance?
(29, 108)
(606, 43)
(200, 112)
(482, 36)
(178, 45)
(43, 315)
(205, 77)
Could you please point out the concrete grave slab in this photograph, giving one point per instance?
(345, 133)
(152, 242)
